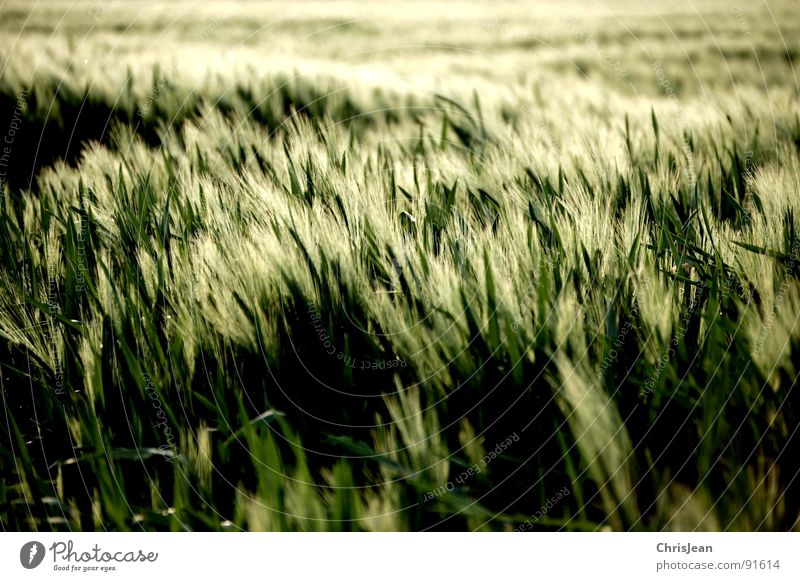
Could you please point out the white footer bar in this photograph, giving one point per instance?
(407, 557)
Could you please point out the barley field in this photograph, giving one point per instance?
(450, 265)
